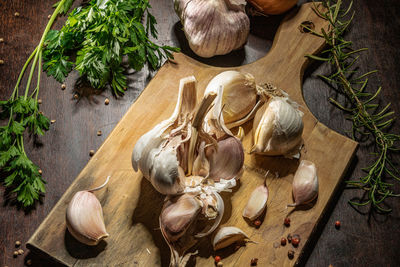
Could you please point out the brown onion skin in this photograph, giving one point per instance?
(273, 7)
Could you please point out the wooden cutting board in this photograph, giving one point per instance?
(131, 206)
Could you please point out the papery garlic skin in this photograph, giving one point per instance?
(305, 183)
(277, 128)
(228, 235)
(85, 219)
(257, 203)
(213, 27)
(239, 94)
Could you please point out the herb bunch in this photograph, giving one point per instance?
(100, 34)
(368, 119)
(22, 112)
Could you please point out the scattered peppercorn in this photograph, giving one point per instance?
(283, 241)
(76, 96)
(289, 238)
(125, 89)
(220, 264)
(99, 133)
(295, 241)
(91, 152)
(29, 262)
(63, 86)
(257, 223)
(217, 259)
(337, 224)
(107, 101)
(1, 40)
(52, 121)
(15, 254)
(16, 14)
(290, 254)
(40, 171)
(286, 222)
(20, 251)
(17, 243)
(254, 262)
(1, 62)
(39, 101)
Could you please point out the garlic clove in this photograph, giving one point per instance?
(228, 235)
(201, 166)
(278, 128)
(178, 214)
(256, 203)
(305, 183)
(85, 219)
(226, 162)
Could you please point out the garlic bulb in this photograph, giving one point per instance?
(305, 183)
(228, 235)
(213, 27)
(257, 203)
(277, 128)
(85, 217)
(191, 167)
(273, 7)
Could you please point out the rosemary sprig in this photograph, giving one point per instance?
(368, 121)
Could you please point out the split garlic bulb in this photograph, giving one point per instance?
(277, 128)
(85, 217)
(213, 27)
(190, 166)
(305, 183)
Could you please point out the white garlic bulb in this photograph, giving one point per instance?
(305, 183)
(277, 128)
(213, 27)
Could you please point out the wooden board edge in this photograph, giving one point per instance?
(326, 211)
(37, 251)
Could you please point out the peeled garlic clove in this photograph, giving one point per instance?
(85, 217)
(305, 183)
(277, 128)
(213, 27)
(256, 203)
(239, 94)
(228, 235)
(178, 214)
(226, 162)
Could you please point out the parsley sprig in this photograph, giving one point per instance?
(22, 176)
(99, 35)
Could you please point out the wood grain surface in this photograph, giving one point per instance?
(363, 240)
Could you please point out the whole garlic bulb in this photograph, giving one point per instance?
(278, 127)
(273, 7)
(213, 27)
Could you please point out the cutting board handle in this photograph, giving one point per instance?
(291, 45)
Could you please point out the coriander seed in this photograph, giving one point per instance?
(48, 16)
(1, 40)
(40, 171)
(91, 152)
(220, 264)
(39, 101)
(107, 101)
(15, 254)
(20, 251)
(16, 14)
(76, 96)
(253, 262)
(99, 133)
(17, 243)
(52, 121)
(63, 86)
(1, 62)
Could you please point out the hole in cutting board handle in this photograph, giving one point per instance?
(306, 26)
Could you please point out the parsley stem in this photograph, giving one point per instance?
(40, 46)
(21, 74)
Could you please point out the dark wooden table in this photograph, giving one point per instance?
(364, 239)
